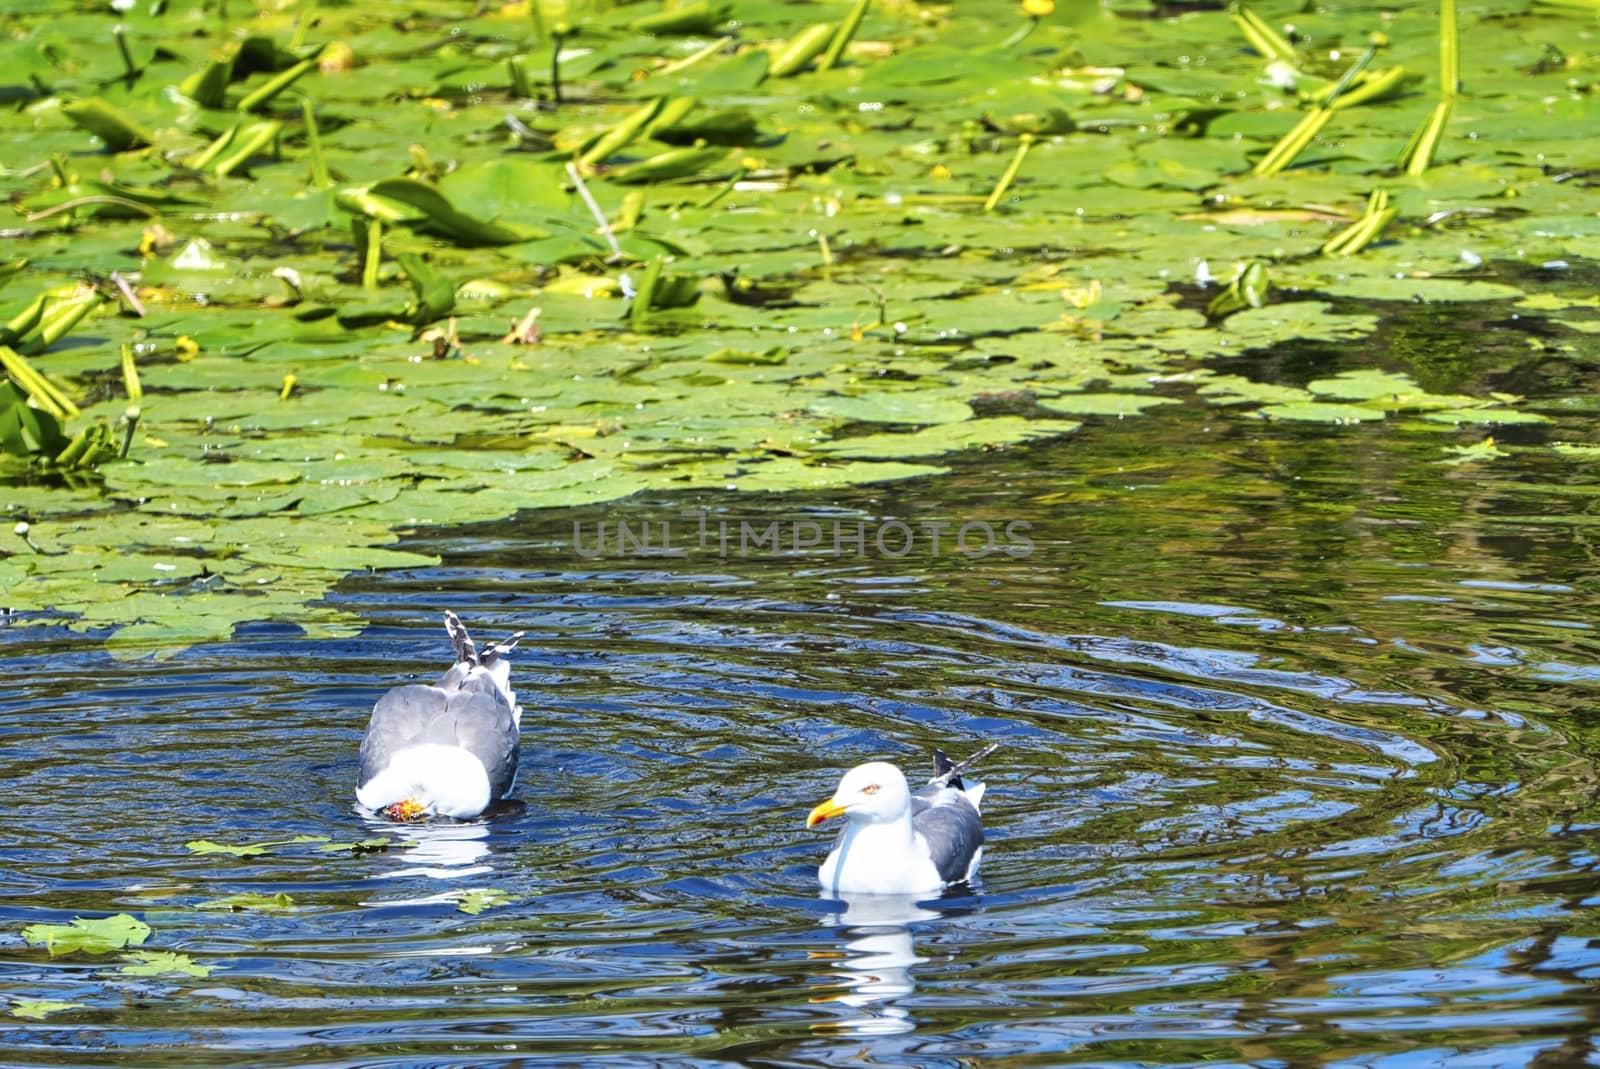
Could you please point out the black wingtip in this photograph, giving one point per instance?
(466, 649)
(943, 765)
(947, 774)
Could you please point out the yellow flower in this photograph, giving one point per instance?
(1038, 9)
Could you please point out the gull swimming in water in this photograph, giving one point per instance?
(896, 842)
(449, 749)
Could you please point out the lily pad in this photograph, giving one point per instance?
(948, 438)
(478, 899)
(36, 1009)
(163, 963)
(97, 936)
(1104, 404)
(1322, 412)
(248, 901)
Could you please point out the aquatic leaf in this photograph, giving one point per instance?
(621, 133)
(240, 903)
(1235, 389)
(1103, 404)
(433, 296)
(38, 1008)
(206, 846)
(802, 49)
(1503, 416)
(1321, 412)
(948, 438)
(1247, 289)
(894, 406)
(339, 558)
(163, 963)
(360, 846)
(696, 16)
(1471, 454)
(119, 130)
(478, 899)
(510, 188)
(88, 936)
(264, 94)
(1420, 289)
(246, 143)
(739, 74)
(674, 164)
(729, 126)
(1366, 384)
(430, 208)
(207, 85)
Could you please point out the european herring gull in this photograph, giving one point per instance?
(897, 842)
(448, 749)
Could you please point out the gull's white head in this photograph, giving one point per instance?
(874, 793)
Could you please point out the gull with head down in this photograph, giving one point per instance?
(448, 749)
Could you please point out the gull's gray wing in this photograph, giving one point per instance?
(952, 828)
(399, 720)
(485, 725)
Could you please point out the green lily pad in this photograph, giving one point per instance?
(36, 1009)
(894, 406)
(948, 438)
(163, 963)
(478, 899)
(1322, 412)
(246, 902)
(97, 936)
(1104, 404)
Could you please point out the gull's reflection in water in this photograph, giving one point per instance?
(877, 960)
(443, 850)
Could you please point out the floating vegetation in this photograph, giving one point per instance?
(99, 935)
(248, 902)
(477, 899)
(324, 845)
(286, 289)
(36, 1009)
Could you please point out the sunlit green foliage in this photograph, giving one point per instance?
(99, 935)
(379, 272)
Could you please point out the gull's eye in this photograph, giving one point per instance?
(871, 788)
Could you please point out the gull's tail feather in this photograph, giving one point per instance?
(948, 774)
(467, 650)
(495, 650)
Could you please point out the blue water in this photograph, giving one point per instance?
(1297, 769)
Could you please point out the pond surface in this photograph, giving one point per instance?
(1297, 769)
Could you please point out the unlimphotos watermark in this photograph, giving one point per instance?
(700, 533)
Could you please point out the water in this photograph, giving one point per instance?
(1297, 770)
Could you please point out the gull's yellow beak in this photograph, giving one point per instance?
(827, 809)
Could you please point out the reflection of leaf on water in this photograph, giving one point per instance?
(97, 936)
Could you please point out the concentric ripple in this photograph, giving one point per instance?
(1219, 834)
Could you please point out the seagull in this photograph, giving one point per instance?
(448, 749)
(897, 842)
